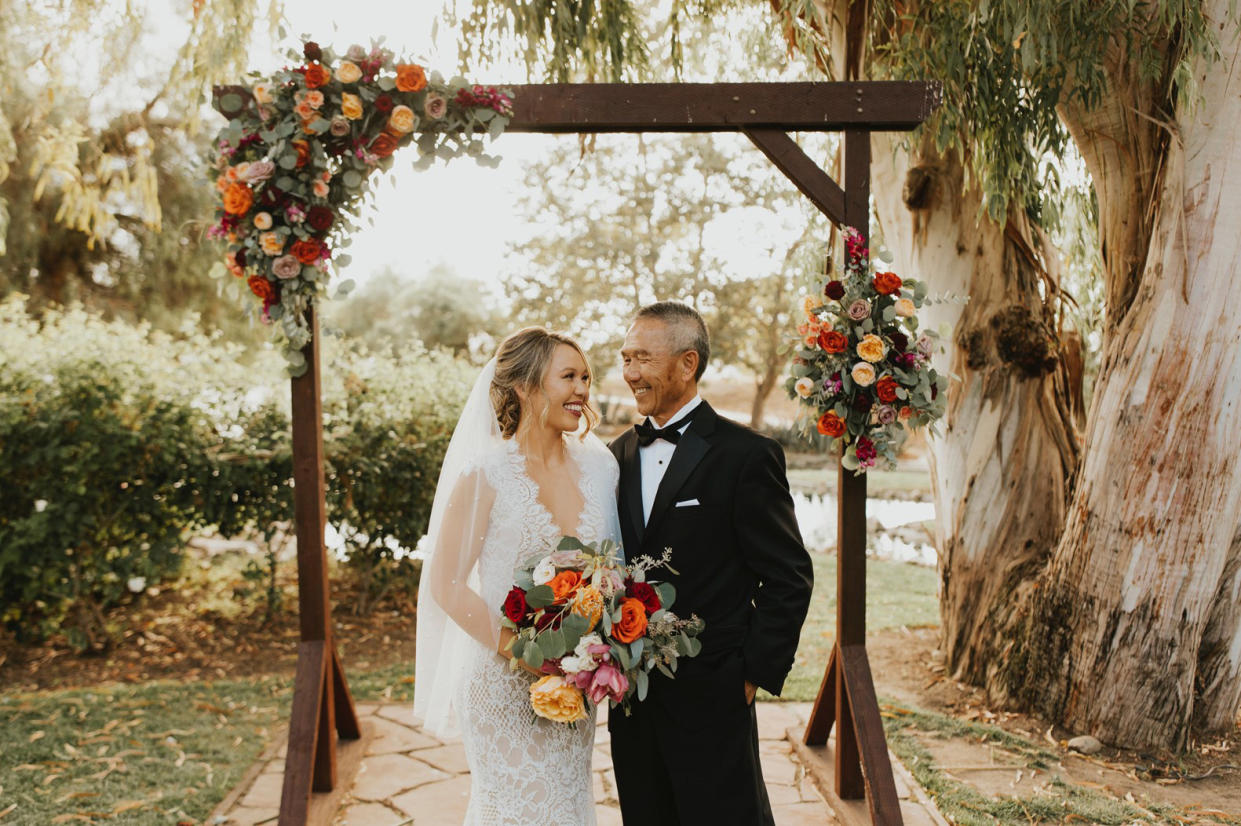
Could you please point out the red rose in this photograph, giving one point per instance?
(320, 218)
(885, 389)
(383, 145)
(316, 76)
(887, 283)
(831, 425)
(383, 103)
(312, 50)
(515, 607)
(834, 290)
(303, 151)
(307, 251)
(645, 593)
(262, 288)
(833, 342)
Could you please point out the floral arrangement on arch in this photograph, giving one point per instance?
(861, 365)
(294, 163)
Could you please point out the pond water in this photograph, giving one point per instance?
(816, 517)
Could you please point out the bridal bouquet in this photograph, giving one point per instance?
(594, 626)
(861, 364)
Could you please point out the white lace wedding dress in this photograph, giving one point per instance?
(524, 769)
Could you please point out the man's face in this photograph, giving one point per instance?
(661, 379)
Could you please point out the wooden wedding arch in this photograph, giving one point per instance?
(323, 709)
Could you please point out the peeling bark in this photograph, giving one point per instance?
(1115, 632)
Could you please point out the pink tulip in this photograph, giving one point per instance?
(609, 681)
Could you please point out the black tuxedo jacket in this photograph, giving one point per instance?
(724, 509)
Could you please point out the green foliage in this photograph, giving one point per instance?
(117, 441)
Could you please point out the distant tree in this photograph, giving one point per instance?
(440, 310)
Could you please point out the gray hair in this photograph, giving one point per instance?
(686, 329)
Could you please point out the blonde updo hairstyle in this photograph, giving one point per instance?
(521, 362)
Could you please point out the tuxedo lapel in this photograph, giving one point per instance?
(694, 444)
(631, 486)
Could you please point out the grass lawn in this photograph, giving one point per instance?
(156, 753)
(897, 593)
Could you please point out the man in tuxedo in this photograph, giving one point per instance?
(716, 494)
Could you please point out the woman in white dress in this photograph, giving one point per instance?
(518, 475)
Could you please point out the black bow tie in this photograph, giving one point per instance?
(648, 433)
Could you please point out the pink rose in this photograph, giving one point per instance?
(435, 106)
(258, 171)
(859, 310)
(608, 682)
(340, 126)
(887, 414)
(286, 266)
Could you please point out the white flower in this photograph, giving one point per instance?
(544, 571)
(571, 664)
(136, 584)
(582, 651)
(40, 505)
(804, 386)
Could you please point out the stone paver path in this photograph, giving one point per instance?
(409, 778)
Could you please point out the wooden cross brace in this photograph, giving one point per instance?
(766, 113)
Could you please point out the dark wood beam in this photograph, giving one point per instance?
(722, 107)
(801, 169)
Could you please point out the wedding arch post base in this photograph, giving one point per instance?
(765, 112)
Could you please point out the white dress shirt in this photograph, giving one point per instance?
(654, 459)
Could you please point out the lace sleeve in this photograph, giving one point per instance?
(452, 580)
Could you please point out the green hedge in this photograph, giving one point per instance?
(117, 443)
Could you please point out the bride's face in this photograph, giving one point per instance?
(566, 390)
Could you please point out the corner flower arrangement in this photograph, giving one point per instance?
(295, 161)
(861, 367)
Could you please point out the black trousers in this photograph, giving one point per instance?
(689, 754)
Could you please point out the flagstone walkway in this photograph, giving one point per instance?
(411, 779)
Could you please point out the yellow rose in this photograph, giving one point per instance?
(810, 303)
(402, 120)
(863, 374)
(871, 348)
(804, 386)
(554, 699)
(348, 72)
(589, 604)
(262, 220)
(350, 106)
(905, 307)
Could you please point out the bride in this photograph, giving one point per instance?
(517, 476)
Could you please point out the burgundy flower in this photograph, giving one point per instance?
(383, 103)
(862, 401)
(899, 340)
(866, 452)
(320, 218)
(834, 290)
(312, 51)
(646, 594)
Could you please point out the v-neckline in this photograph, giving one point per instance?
(538, 490)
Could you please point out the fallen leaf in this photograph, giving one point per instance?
(38, 735)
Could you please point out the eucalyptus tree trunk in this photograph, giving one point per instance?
(1138, 606)
(1002, 466)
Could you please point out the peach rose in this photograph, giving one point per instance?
(271, 243)
(810, 303)
(905, 307)
(810, 341)
(564, 584)
(304, 110)
(320, 189)
(402, 120)
(804, 386)
(632, 622)
(238, 199)
(871, 348)
(262, 220)
(313, 99)
(348, 72)
(863, 374)
(410, 77)
(350, 106)
(556, 700)
(589, 604)
(262, 93)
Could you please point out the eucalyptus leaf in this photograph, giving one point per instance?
(643, 682)
(540, 596)
(533, 655)
(551, 642)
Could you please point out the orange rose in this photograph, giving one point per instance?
(383, 145)
(589, 604)
(831, 425)
(564, 584)
(303, 152)
(316, 76)
(887, 283)
(261, 287)
(632, 622)
(832, 341)
(410, 77)
(307, 251)
(238, 199)
(905, 413)
(885, 389)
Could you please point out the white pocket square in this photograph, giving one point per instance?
(687, 503)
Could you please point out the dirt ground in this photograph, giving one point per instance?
(906, 668)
